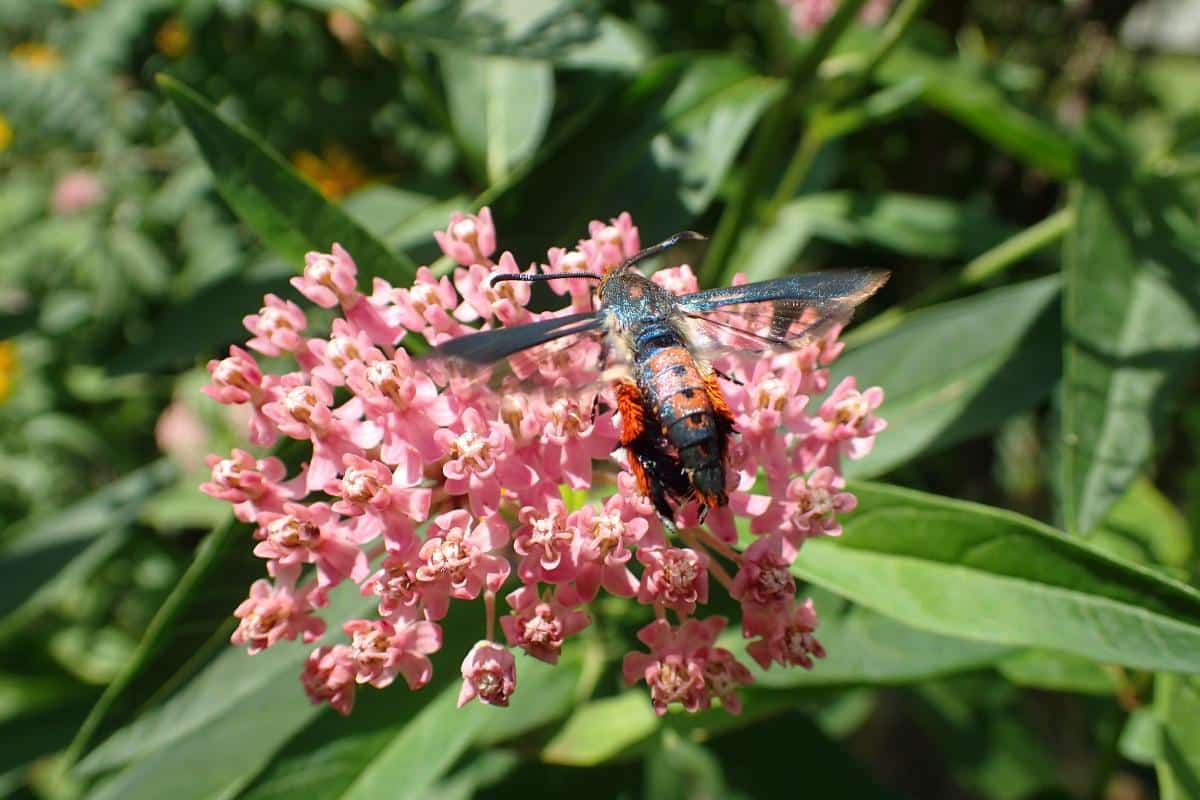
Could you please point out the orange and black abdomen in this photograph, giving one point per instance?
(691, 413)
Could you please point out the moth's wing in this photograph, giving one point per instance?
(555, 355)
(487, 347)
(777, 315)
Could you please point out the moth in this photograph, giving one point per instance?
(658, 348)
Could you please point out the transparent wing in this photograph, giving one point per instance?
(782, 314)
(560, 354)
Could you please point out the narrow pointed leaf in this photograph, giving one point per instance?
(957, 370)
(500, 108)
(967, 570)
(276, 202)
(1131, 320)
(1177, 706)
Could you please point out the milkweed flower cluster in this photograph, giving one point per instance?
(425, 486)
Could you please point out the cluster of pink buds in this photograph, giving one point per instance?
(808, 15)
(427, 486)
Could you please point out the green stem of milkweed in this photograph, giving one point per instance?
(770, 137)
(489, 610)
(908, 12)
(989, 264)
(796, 171)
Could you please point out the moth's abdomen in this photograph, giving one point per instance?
(694, 421)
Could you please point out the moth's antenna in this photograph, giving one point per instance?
(667, 244)
(535, 278)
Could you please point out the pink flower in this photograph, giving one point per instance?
(809, 508)
(396, 583)
(540, 626)
(609, 245)
(403, 404)
(75, 192)
(469, 239)
(382, 650)
(251, 485)
(764, 582)
(602, 552)
(675, 577)
(480, 461)
(786, 639)
(674, 668)
(346, 345)
(546, 540)
(328, 677)
(310, 535)
(275, 612)
(276, 327)
(505, 301)
(428, 306)
(846, 425)
(489, 673)
(386, 502)
(329, 278)
(723, 674)
(458, 560)
(570, 261)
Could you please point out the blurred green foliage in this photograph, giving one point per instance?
(1010, 614)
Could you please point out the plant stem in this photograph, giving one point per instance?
(796, 172)
(827, 36)
(770, 137)
(908, 12)
(986, 265)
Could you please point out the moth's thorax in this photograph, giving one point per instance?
(632, 303)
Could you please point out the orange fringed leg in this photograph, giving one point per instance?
(716, 398)
(633, 422)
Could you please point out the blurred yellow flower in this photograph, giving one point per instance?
(80, 5)
(337, 174)
(8, 368)
(172, 38)
(6, 133)
(36, 55)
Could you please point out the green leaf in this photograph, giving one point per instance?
(276, 202)
(343, 756)
(660, 151)
(679, 769)
(1144, 526)
(1058, 672)
(994, 358)
(199, 325)
(539, 29)
(863, 646)
(1141, 738)
(927, 227)
(962, 93)
(976, 726)
(42, 554)
(215, 582)
(601, 729)
(1177, 706)
(229, 720)
(500, 108)
(1130, 320)
(970, 571)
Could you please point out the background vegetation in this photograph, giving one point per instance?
(1030, 170)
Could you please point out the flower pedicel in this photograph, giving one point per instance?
(453, 487)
